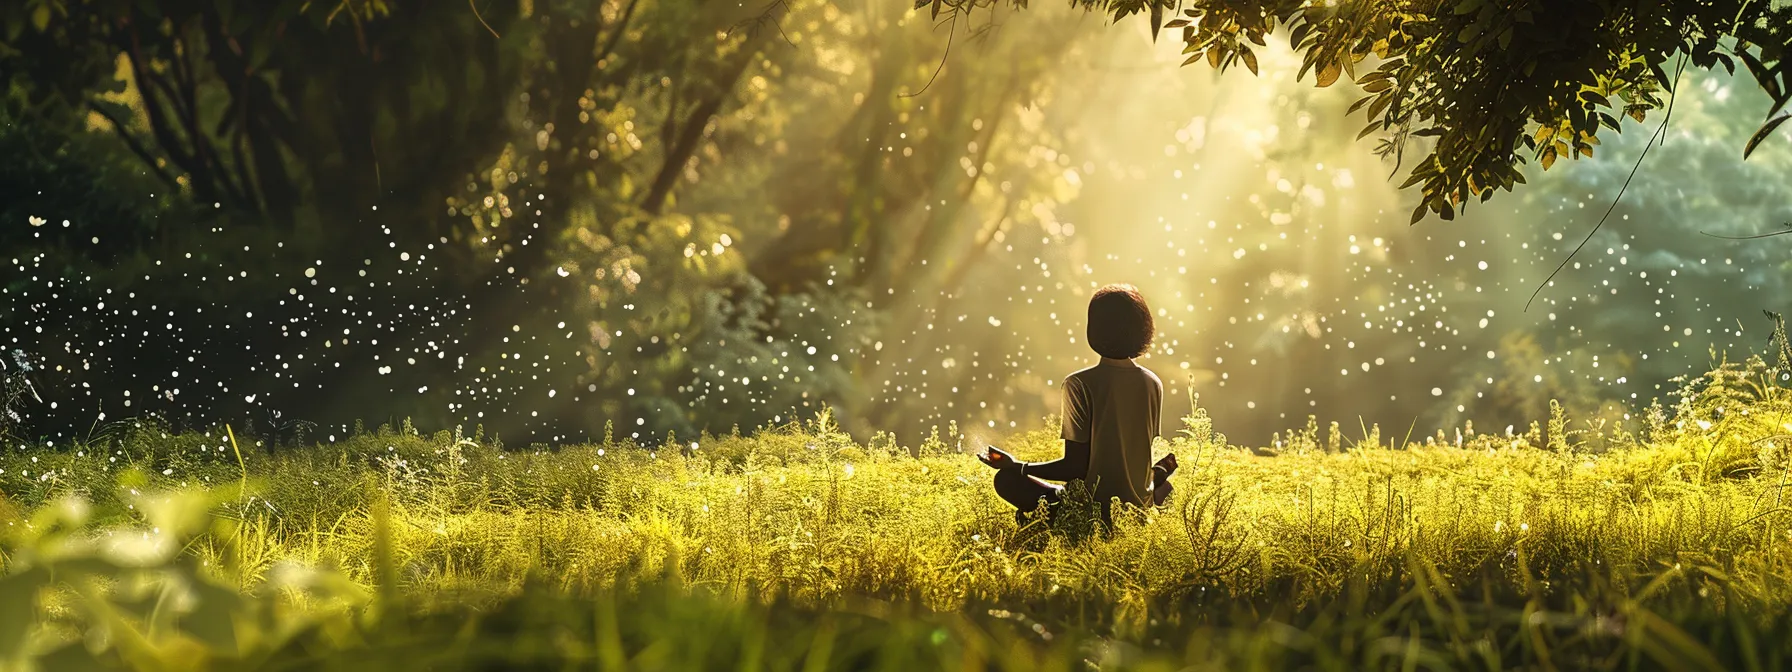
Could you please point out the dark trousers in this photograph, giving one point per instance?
(1025, 493)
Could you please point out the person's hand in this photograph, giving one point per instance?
(1168, 464)
(997, 458)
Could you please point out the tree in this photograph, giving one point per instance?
(1493, 83)
(287, 110)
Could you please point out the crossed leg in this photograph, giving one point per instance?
(1024, 492)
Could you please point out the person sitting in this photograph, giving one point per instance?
(1110, 416)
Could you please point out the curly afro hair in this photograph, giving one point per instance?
(1120, 324)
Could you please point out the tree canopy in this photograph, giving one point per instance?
(1492, 83)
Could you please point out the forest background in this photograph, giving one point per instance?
(558, 220)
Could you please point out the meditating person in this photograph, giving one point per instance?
(1110, 417)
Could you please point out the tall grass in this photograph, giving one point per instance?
(1579, 546)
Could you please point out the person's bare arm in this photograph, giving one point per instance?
(1160, 479)
(1160, 491)
(1073, 465)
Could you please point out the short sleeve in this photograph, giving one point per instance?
(1156, 406)
(1076, 411)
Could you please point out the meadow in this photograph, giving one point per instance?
(1563, 545)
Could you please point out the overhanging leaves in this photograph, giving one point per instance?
(1762, 133)
(1480, 77)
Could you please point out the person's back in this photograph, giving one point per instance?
(1110, 418)
(1113, 407)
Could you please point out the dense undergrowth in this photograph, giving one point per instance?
(1565, 546)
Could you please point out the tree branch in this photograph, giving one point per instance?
(951, 32)
(689, 137)
(135, 146)
(609, 46)
(158, 124)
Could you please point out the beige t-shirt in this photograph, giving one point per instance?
(1114, 407)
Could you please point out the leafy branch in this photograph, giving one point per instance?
(1493, 84)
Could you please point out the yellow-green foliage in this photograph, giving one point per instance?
(805, 511)
(802, 513)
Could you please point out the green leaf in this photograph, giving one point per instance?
(1666, 644)
(1250, 59)
(1754, 64)
(1418, 213)
(1767, 78)
(1416, 177)
(1381, 103)
(40, 17)
(1661, 75)
(18, 607)
(1328, 73)
(72, 657)
(212, 620)
(1762, 133)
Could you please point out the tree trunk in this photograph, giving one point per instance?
(692, 134)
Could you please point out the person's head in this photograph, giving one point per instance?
(1120, 325)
